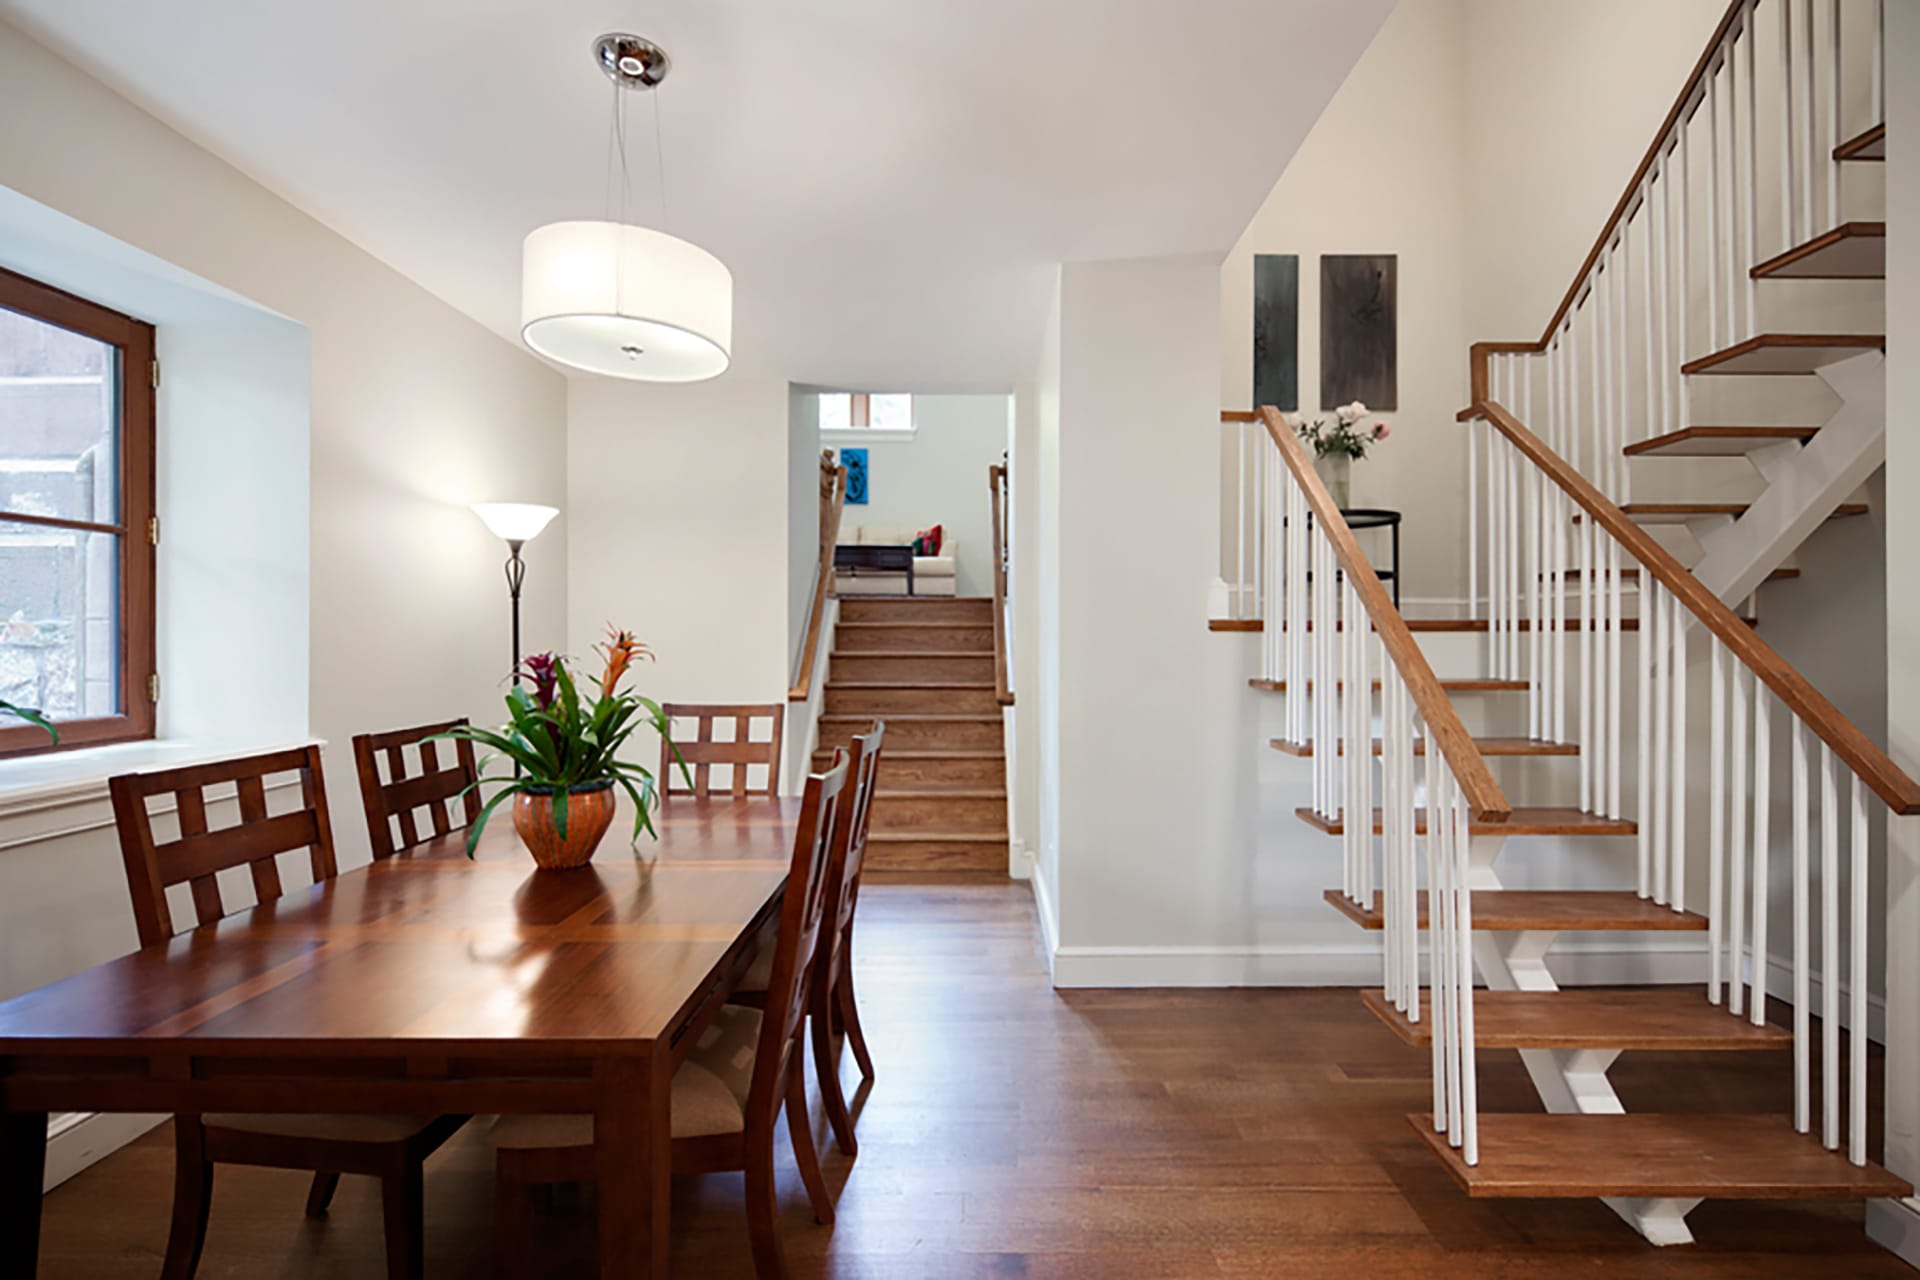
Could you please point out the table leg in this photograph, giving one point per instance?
(23, 1165)
(633, 1140)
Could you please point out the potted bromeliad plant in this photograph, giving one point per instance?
(1336, 448)
(566, 747)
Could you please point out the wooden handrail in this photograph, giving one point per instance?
(997, 482)
(1872, 765)
(833, 497)
(1483, 795)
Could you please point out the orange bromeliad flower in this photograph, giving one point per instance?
(620, 650)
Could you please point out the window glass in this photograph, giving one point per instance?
(58, 454)
(59, 620)
(891, 412)
(836, 411)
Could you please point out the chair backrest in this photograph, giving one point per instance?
(199, 854)
(431, 787)
(850, 839)
(801, 912)
(701, 752)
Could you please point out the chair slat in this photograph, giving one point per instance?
(434, 788)
(253, 808)
(702, 752)
(397, 770)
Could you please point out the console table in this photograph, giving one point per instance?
(885, 559)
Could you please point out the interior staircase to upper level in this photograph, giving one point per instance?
(925, 666)
(1695, 413)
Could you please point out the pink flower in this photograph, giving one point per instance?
(1381, 431)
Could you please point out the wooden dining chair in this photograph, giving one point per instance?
(730, 1088)
(433, 788)
(391, 1148)
(831, 1005)
(701, 753)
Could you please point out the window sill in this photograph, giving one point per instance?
(56, 780)
(866, 435)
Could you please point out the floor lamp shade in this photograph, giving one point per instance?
(626, 301)
(514, 521)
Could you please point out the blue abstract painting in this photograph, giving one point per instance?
(855, 461)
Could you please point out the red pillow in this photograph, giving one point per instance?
(927, 541)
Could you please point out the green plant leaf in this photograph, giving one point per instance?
(479, 823)
(560, 812)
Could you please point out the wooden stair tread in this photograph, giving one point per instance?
(1670, 1018)
(912, 653)
(915, 753)
(916, 625)
(1731, 1157)
(920, 836)
(1549, 910)
(1717, 442)
(910, 684)
(1462, 684)
(1436, 625)
(1870, 145)
(1785, 354)
(1681, 512)
(1633, 575)
(1851, 251)
(944, 793)
(891, 717)
(1486, 746)
(1527, 820)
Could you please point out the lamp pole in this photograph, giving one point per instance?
(516, 575)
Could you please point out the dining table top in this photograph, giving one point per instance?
(428, 951)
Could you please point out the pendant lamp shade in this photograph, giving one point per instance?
(626, 301)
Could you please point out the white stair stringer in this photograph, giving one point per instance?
(1568, 1080)
(1804, 483)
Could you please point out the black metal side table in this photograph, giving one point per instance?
(1379, 518)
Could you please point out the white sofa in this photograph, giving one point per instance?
(932, 575)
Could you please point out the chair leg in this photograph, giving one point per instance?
(763, 1226)
(850, 1018)
(827, 1066)
(512, 1218)
(192, 1199)
(320, 1194)
(403, 1202)
(800, 1130)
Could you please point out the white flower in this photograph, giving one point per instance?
(1294, 420)
(1348, 414)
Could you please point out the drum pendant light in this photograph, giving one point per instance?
(613, 298)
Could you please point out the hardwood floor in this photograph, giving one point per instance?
(1016, 1131)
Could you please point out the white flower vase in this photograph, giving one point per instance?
(1336, 472)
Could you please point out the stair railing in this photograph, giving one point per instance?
(833, 498)
(997, 486)
(1671, 278)
(1327, 626)
(1748, 682)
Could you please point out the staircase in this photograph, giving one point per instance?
(925, 666)
(1594, 606)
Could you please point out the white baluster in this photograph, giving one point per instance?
(1857, 978)
(1878, 91)
(1762, 848)
(1715, 255)
(1668, 367)
(1584, 537)
(1787, 237)
(1463, 929)
(1647, 822)
(1750, 187)
(1615, 642)
(1474, 516)
(1662, 732)
(1737, 903)
(1677, 841)
(1716, 813)
(1802, 1101)
(1829, 949)
(1832, 166)
(1808, 129)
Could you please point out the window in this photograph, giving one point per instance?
(866, 411)
(76, 512)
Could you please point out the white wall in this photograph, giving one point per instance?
(680, 533)
(1156, 752)
(939, 476)
(415, 412)
(1037, 607)
(1898, 1224)
(803, 508)
(1384, 171)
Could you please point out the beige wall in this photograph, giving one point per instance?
(416, 411)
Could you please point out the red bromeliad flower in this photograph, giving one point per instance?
(620, 650)
(542, 669)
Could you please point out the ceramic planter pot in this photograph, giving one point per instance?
(589, 814)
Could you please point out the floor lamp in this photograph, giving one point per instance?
(516, 524)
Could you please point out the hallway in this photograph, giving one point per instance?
(1014, 1131)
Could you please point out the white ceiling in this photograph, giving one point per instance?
(888, 180)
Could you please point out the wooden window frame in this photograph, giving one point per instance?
(860, 412)
(135, 528)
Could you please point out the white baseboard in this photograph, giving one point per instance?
(1780, 987)
(1354, 965)
(77, 1139)
(1894, 1225)
(1043, 907)
(1019, 861)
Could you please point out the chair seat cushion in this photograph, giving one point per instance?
(709, 1092)
(331, 1128)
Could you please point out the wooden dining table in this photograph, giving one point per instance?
(424, 984)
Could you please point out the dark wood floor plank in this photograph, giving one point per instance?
(1016, 1131)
